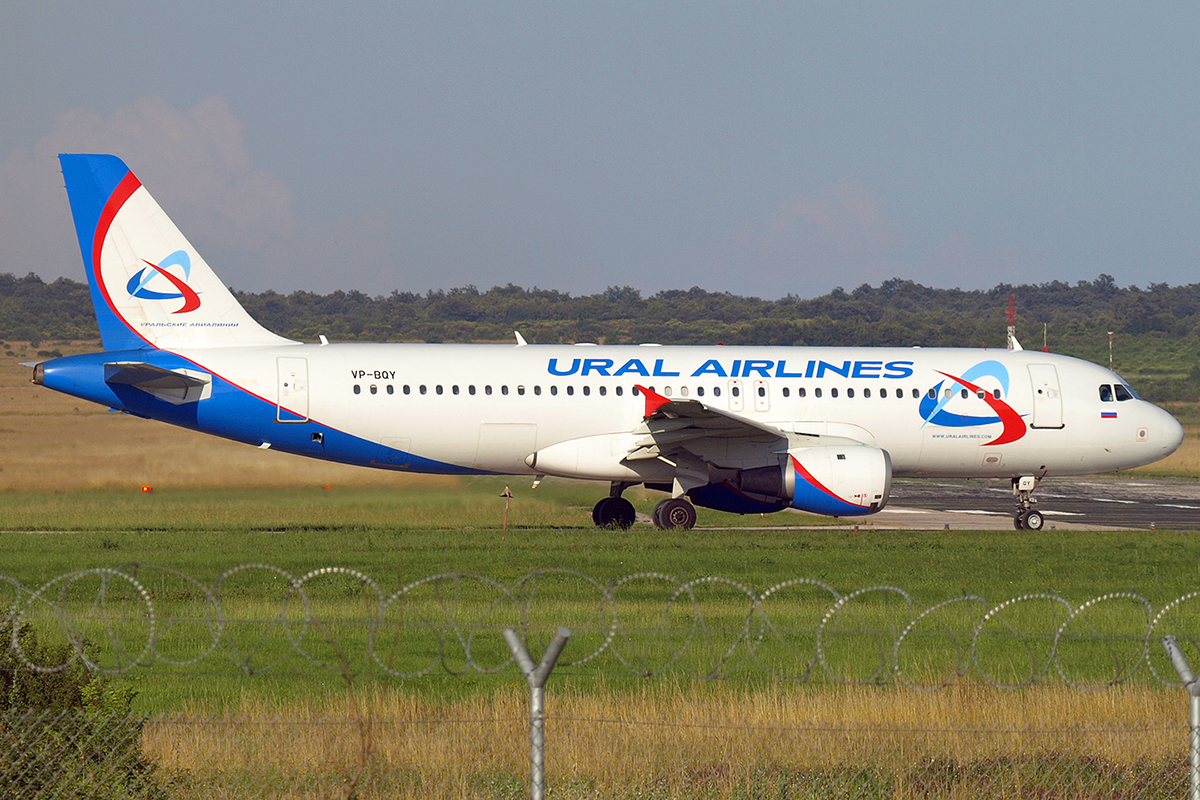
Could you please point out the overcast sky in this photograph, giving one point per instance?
(762, 149)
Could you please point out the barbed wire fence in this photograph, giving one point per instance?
(786, 641)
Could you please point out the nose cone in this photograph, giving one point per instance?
(1170, 433)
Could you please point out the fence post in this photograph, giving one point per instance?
(536, 677)
(1179, 661)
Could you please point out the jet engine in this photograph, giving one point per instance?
(849, 480)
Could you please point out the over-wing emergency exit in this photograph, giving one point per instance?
(742, 429)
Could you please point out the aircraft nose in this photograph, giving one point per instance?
(1170, 432)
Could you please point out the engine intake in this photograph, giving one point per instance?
(841, 481)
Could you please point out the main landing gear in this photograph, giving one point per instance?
(1027, 518)
(675, 513)
(614, 511)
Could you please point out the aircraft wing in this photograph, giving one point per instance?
(671, 426)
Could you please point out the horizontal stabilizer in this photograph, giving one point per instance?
(173, 386)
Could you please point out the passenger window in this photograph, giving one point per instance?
(801, 392)
(603, 390)
(1106, 395)
(683, 392)
(554, 390)
(762, 391)
(471, 389)
(866, 392)
(454, 389)
(357, 389)
(587, 390)
(374, 389)
(963, 394)
(980, 394)
(407, 390)
(635, 391)
(996, 393)
(521, 390)
(849, 393)
(487, 389)
(882, 392)
(438, 389)
(423, 389)
(1123, 392)
(391, 389)
(620, 391)
(932, 394)
(537, 390)
(700, 391)
(817, 392)
(716, 391)
(833, 392)
(570, 390)
(917, 393)
(504, 389)
(736, 391)
(787, 392)
(948, 392)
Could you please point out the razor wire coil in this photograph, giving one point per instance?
(650, 623)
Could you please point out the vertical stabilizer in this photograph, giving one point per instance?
(149, 285)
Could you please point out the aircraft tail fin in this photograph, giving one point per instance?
(150, 287)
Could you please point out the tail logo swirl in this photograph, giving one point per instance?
(147, 283)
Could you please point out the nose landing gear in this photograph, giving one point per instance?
(1027, 518)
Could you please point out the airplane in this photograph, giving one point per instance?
(740, 429)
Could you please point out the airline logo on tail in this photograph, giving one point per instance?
(147, 283)
(933, 405)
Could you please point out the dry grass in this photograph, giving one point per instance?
(679, 741)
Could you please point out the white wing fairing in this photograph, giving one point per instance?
(822, 430)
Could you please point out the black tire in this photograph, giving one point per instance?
(601, 513)
(1019, 521)
(614, 512)
(675, 514)
(622, 514)
(1033, 520)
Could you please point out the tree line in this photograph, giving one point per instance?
(1156, 330)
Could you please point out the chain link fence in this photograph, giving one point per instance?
(668, 688)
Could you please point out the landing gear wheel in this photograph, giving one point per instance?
(601, 512)
(1019, 521)
(614, 512)
(1033, 520)
(675, 514)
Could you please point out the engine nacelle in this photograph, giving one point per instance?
(840, 481)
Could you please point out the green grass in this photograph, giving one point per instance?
(399, 537)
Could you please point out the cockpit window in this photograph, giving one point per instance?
(1123, 392)
(1105, 393)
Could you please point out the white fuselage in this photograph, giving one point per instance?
(489, 407)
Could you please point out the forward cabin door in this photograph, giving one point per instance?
(1047, 398)
(293, 390)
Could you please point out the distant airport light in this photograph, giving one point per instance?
(147, 489)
